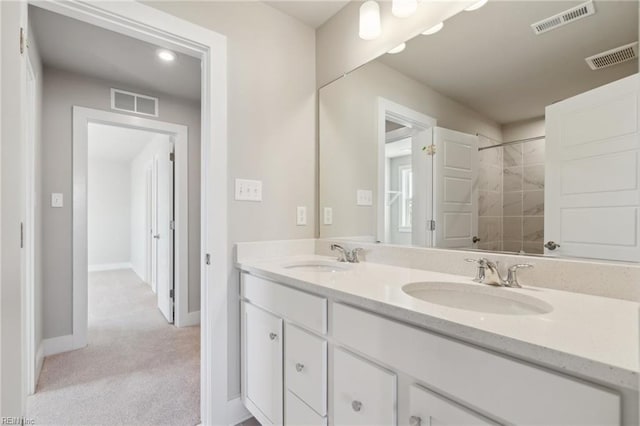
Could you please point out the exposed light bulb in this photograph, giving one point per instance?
(166, 55)
(399, 48)
(434, 29)
(476, 6)
(403, 8)
(369, 20)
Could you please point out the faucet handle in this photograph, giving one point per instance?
(355, 254)
(512, 276)
(342, 253)
(480, 273)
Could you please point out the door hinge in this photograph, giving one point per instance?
(171, 294)
(172, 225)
(172, 156)
(431, 225)
(21, 40)
(21, 235)
(430, 149)
(207, 259)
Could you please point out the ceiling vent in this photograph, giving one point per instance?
(615, 56)
(563, 18)
(134, 102)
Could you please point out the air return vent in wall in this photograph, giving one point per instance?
(563, 18)
(134, 102)
(615, 56)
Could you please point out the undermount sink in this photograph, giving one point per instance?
(492, 300)
(317, 266)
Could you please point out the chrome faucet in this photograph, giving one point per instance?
(488, 273)
(344, 255)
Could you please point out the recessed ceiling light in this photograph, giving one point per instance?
(166, 55)
(476, 6)
(398, 48)
(434, 29)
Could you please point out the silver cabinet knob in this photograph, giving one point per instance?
(551, 245)
(415, 421)
(273, 336)
(356, 405)
(299, 367)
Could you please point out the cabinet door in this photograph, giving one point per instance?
(363, 393)
(306, 367)
(263, 362)
(297, 413)
(429, 409)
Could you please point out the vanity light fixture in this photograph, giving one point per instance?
(166, 55)
(403, 8)
(434, 29)
(476, 6)
(399, 48)
(369, 20)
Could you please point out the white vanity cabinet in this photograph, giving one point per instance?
(308, 360)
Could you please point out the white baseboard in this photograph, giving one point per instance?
(56, 345)
(236, 412)
(192, 318)
(39, 360)
(109, 267)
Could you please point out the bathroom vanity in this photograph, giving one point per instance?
(335, 343)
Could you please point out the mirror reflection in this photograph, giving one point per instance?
(502, 131)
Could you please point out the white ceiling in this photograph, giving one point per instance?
(314, 13)
(73, 45)
(491, 61)
(117, 143)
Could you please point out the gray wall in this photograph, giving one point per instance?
(271, 124)
(63, 90)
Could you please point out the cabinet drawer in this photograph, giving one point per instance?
(303, 308)
(363, 393)
(306, 367)
(509, 389)
(297, 413)
(427, 408)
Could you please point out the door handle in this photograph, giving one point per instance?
(475, 239)
(551, 245)
(157, 236)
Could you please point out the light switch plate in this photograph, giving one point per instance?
(328, 216)
(301, 215)
(57, 200)
(364, 197)
(248, 190)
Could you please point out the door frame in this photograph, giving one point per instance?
(146, 23)
(423, 123)
(82, 117)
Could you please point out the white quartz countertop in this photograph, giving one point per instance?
(588, 336)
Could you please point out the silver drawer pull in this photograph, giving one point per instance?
(273, 336)
(299, 367)
(415, 421)
(356, 405)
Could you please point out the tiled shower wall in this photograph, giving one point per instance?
(490, 196)
(523, 197)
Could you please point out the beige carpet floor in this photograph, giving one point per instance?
(136, 370)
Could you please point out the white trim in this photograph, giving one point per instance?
(109, 267)
(162, 29)
(191, 318)
(39, 361)
(81, 118)
(237, 412)
(57, 345)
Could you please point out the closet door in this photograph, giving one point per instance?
(427, 408)
(592, 190)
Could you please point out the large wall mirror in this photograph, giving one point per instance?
(492, 134)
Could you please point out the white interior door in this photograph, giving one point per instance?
(592, 191)
(455, 174)
(164, 230)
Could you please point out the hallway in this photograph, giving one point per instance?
(137, 369)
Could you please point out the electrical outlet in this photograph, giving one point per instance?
(57, 200)
(301, 215)
(248, 190)
(364, 197)
(328, 216)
